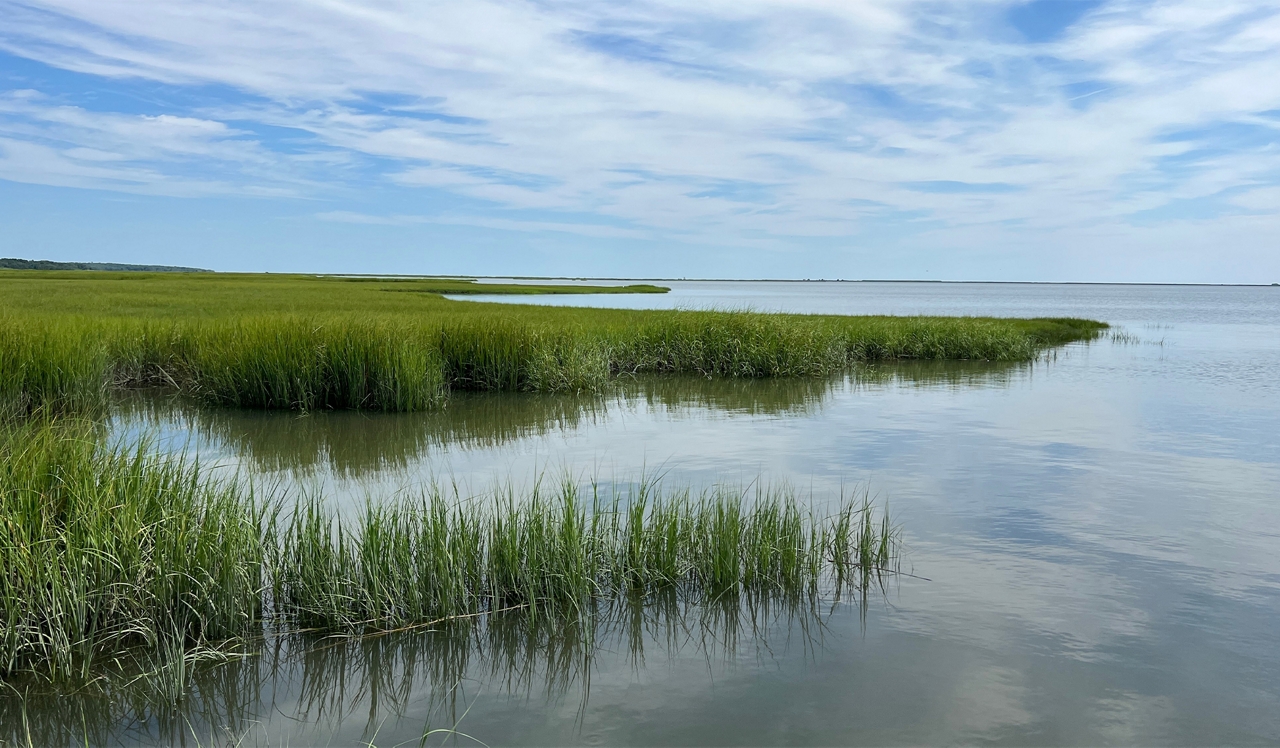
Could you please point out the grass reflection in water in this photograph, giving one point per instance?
(354, 444)
(128, 571)
(303, 688)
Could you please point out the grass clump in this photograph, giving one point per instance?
(54, 366)
(115, 558)
(426, 560)
(309, 365)
(105, 549)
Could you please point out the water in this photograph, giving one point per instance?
(1100, 534)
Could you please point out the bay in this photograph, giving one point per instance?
(1098, 533)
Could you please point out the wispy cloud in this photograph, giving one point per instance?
(348, 216)
(47, 142)
(501, 224)
(754, 123)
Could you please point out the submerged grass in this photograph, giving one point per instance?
(113, 556)
(318, 343)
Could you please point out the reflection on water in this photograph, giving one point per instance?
(352, 444)
(1101, 529)
(387, 689)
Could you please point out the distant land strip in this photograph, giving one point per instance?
(865, 280)
(13, 263)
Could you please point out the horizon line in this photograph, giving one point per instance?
(795, 280)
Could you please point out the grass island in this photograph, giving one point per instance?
(307, 342)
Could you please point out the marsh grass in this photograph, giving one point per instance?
(107, 550)
(401, 364)
(1119, 336)
(123, 560)
(553, 552)
(1122, 337)
(308, 365)
(56, 366)
(332, 343)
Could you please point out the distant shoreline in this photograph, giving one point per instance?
(803, 280)
(15, 263)
(10, 263)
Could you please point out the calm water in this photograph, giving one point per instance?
(1100, 532)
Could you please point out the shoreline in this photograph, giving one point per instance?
(785, 280)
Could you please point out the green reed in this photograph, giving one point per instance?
(50, 365)
(307, 364)
(113, 556)
(407, 363)
(437, 557)
(103, 548)
(308, 342)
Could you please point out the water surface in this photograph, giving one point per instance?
(1100, 531)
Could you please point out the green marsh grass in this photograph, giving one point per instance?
(117, 556)
(555, 552)
(104, 550)
(50, 365)
(306, 343)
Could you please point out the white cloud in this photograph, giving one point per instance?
(581, 229)
(155, 154)
(1264, 199)
(347, 216)
(502, 224)
(722, 122)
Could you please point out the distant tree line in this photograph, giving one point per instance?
(13, 263)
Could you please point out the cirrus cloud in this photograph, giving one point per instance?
(902, 125)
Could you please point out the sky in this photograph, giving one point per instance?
(1050, 140)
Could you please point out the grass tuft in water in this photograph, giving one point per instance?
(426, 560)
(107, 549)
(119, 559)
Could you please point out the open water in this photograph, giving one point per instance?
(1095, 540)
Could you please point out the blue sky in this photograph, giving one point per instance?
(1046, 140)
